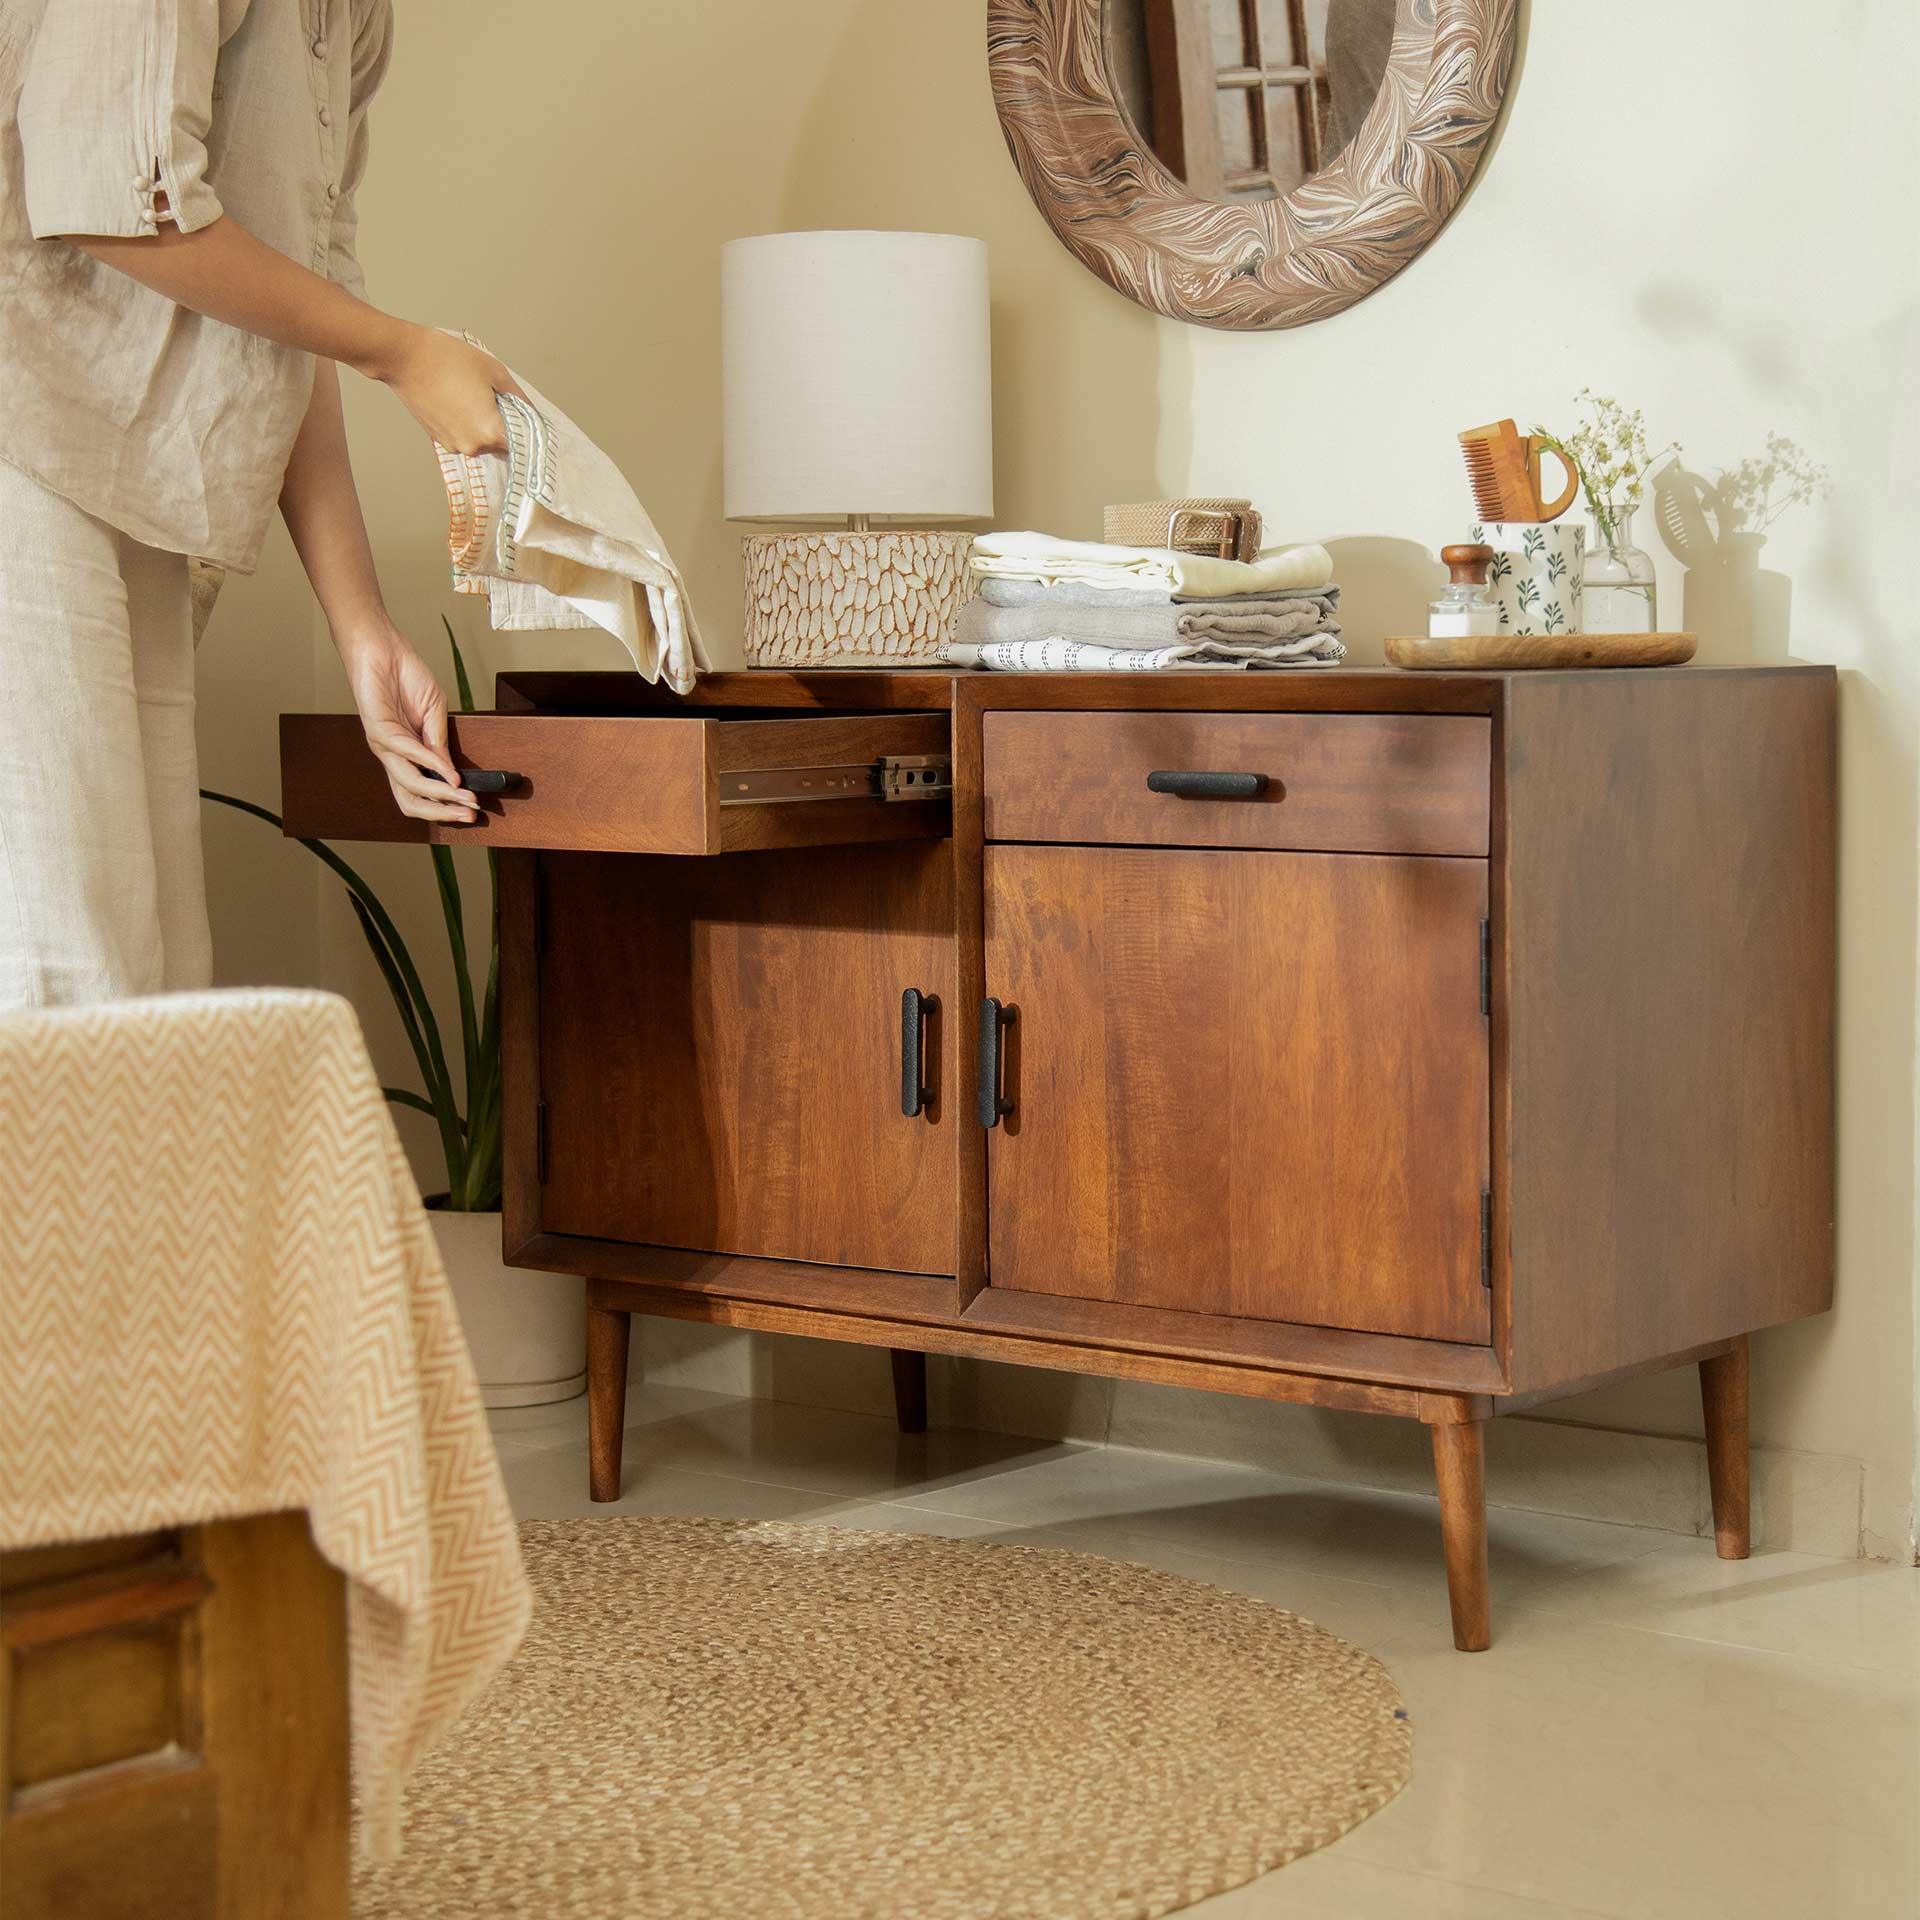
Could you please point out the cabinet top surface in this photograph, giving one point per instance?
(1361, 689)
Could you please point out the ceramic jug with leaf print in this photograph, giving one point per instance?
(1534, 576)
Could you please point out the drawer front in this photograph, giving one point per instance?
(595, 783)
(1328, 782)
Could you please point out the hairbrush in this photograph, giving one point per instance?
(1503, 468)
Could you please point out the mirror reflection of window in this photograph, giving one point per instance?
(1358, 42)
(1244, 99)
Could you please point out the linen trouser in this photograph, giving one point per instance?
(102, 887)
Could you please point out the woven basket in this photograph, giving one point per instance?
(852, 599)
(1187, 526)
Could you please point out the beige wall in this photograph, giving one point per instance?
(1651, 224)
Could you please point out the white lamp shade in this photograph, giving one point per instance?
(857, 376)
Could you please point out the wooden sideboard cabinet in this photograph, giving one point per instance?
(1422, 1044)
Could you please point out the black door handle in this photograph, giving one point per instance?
(915, 1007)
(993, 1018)
(488, 779)
(1209, 786)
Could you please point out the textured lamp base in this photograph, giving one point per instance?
(852, 599)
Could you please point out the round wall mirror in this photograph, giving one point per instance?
(1248, 163)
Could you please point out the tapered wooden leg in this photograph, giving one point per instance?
(1460, 1471)
(910, 1389)
(608, 1333)
(1723, 1394)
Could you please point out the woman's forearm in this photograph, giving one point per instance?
(321, 507)
(401, 705)
(221, 270)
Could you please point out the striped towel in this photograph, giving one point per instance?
(1083, 656)
(554, 536)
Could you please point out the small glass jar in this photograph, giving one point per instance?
(1466, 606)
(1617, 579)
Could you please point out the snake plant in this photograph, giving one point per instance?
(470, 1140)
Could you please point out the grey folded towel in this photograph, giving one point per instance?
(999, 591)
(1230, 620)
(982, 624)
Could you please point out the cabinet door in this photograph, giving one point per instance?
(720, 1053)
(1243, 1083)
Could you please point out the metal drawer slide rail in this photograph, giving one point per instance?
(895, 776)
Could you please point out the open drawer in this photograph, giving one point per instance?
(668, 783)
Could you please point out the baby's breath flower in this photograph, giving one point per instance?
(1609, 453)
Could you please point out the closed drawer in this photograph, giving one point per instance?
(1328, 782)
(594, 783)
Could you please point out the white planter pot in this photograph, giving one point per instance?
(527, 1332)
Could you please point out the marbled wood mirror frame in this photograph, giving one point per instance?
(1248, 264)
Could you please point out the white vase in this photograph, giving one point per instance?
(527, 1332)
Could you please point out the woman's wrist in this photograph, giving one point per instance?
(386, 346)
(366, 637)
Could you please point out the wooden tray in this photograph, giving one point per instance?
(1511, 651)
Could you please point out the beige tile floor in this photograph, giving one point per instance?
(1654, 1733)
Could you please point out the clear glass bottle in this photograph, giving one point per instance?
(1465, 606)
(1616, 581)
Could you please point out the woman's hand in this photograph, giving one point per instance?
(448, 386)
(401, 705)
(404, 713)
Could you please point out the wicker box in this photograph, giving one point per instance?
(1228, 527)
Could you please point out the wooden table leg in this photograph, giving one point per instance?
(608, 1333)
(1460, 1471)
(1723, 1396)
(909, 1389)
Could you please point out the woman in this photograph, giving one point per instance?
(177, 288)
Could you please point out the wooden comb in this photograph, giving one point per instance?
(1503, 468)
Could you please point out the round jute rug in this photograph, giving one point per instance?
(757, 1721)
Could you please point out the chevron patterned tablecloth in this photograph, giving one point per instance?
(219, 1296)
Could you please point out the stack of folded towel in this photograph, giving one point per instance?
(1049, 605)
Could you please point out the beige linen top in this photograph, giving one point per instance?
(165, 424)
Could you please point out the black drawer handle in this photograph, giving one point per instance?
(915, 1009)
(488, 779)
(1209, 786)
(993, 1017)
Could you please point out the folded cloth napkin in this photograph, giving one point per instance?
(1081, 656)
(1038, 556)
(981, 624)
(554, 537)
(1002, 590)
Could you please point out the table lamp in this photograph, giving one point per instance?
(857, 388)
